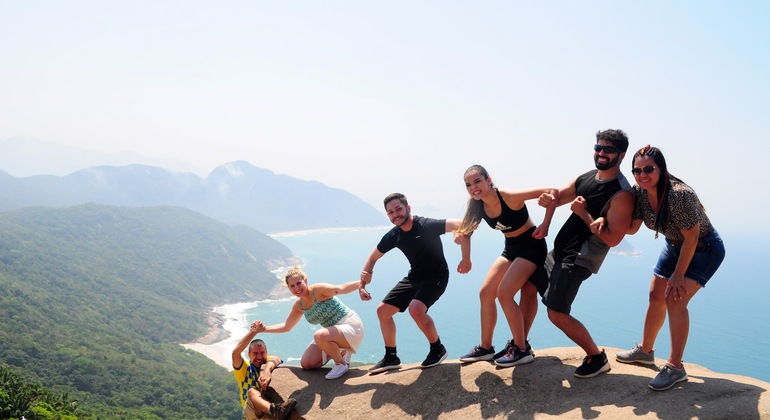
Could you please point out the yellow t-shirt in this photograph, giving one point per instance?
(247, 376)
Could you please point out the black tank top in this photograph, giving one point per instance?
(508, 220)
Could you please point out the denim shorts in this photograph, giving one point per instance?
(705, 262)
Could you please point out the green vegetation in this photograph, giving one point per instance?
(94, 301)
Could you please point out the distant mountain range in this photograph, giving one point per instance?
(236, 193)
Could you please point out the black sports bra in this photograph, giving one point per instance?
(509, 220)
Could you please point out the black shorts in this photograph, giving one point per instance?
(527, 247)
(426, 291)
(559, 282)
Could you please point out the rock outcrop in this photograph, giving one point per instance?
(543, 389)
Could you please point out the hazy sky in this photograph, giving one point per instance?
(376, 97)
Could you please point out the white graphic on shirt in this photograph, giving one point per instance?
(500, 226)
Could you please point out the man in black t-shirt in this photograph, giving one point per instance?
(419, 238)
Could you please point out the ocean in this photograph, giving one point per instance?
(728, 318)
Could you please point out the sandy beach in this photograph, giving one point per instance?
(226, 327)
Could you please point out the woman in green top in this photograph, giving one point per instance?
(341, 329)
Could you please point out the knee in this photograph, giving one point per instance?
(253, 394)
(308, 365)
(417, 312)
(657, 299)
(321, 336)
(488, 294)
(505, 294)
(382, 312)
(675, 306)
(557, 318)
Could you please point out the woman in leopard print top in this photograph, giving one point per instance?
(691, 254)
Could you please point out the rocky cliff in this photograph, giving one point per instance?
(540, 390)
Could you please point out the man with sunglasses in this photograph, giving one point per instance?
(579, 248)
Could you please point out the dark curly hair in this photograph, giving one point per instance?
(618, 138)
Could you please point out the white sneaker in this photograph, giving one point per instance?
(346, 354)
(337, 371)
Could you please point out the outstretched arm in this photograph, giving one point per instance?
(291, 320)
(325, 291)
(256, 327)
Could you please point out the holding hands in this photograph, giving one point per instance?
(366, 278)
(257, 327)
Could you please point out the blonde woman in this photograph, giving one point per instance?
(341, 329)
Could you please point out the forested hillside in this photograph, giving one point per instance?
(94, 301)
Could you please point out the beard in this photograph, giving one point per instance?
(604, 166)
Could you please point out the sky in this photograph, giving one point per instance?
(378, 97)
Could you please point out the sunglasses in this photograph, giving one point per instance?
(647, 170)
(607, 149)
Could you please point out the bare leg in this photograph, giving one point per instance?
(528, 302)
(257, 401)
(419, 313)
(514, 279)
(488, 299)
(679, 321)
(656, 313)
(331, 341)
(385, 314)
(575, 330)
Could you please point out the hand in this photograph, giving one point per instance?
(676, 287)
(545, 199)
(257, 327)
(460, 238)
(363, 294)
(464, 266)
(366, 277)
(578, 205)
(541, 232)
(265, 377)
(597, 226)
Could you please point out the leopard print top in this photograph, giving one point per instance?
(685, 210)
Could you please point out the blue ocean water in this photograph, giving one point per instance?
(728, 318)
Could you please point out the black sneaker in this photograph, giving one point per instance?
(434, 358)
(515, 357)
(478, 353)
(592, 366)
(282, 410)
(385, 364)
(507, 348)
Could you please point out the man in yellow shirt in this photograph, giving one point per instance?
(254, 376)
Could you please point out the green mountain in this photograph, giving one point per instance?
(94, 301)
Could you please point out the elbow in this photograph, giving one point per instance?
(613, 241)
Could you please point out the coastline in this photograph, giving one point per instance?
(225, 325)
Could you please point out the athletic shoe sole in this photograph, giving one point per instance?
(477, 358)
(523, 361)
(373, 371)
(443, 356)
(605, 368)
(644, 362)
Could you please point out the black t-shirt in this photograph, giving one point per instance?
(575, 231)
(421, 245)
